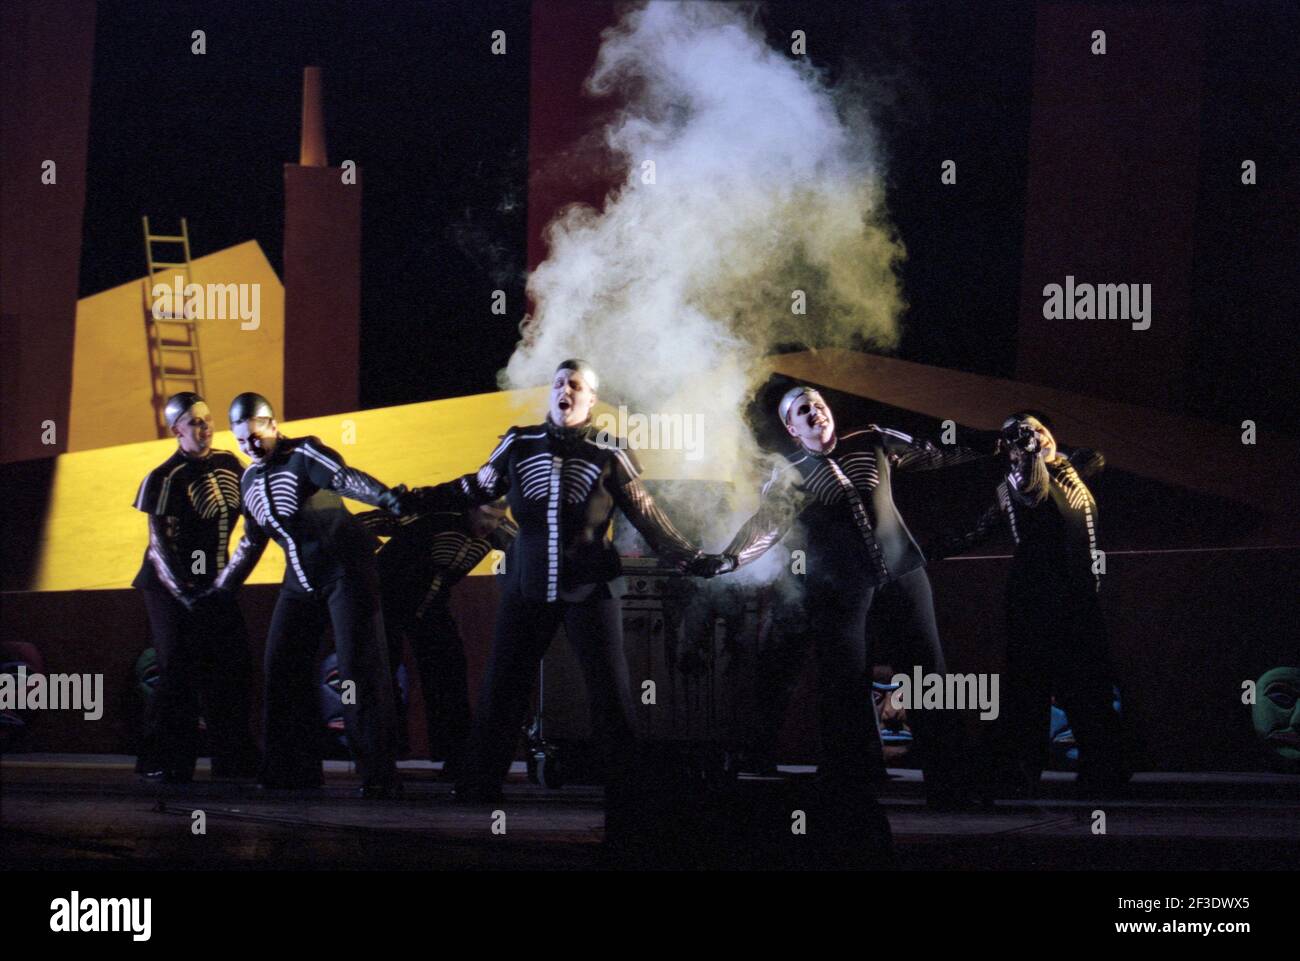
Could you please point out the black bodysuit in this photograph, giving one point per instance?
(563, 485)
(1056, 634)
(843, 500)
(192, 504)
(202, 646)
(838, 507)
(425, 557)
(1055, 539)
(294, 496)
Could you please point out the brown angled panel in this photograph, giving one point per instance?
(322, 291)
(566, 151)
(46, 56)
(1114, 151)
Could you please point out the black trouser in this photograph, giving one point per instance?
(784, 640)
(1056, 645)
(440, 659)
(834, 625)
(524, 630)
(203, 665)
(292, 704)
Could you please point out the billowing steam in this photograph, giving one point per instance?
(747, 182)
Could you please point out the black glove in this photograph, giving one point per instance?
(1022, 437)
(710, 565)
(205, 596)
(396, 500)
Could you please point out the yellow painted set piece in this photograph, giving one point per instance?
(112, 377)
(84, 546)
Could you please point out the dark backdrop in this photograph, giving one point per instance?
(439, 127)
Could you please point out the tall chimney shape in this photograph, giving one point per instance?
(322, 273)
(312, 151)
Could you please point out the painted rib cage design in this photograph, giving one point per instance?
(859, 468)
(1079, 497)
(454, 554)
(215, 493)
(1077, 494)
(282, 488)
(577, 477)
(577, 480)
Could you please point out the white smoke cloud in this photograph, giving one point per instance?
(766, 182)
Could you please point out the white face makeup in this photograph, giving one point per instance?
(572, 399)
(810, 421)
(256, 437)
(193, 430)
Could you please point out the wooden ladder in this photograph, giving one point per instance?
(174, 360)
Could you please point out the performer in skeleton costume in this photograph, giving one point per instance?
(837, 486)
(192, 502)
(425, 557)
(563, 480)
(1056, 633)
(292, 493)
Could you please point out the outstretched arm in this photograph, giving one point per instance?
(1087, 463)
(958, 542)
(777, 511)
(485, 485)
(640, 508)
(910, 453)
(327, 470)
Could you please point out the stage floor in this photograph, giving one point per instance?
(87, 812)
